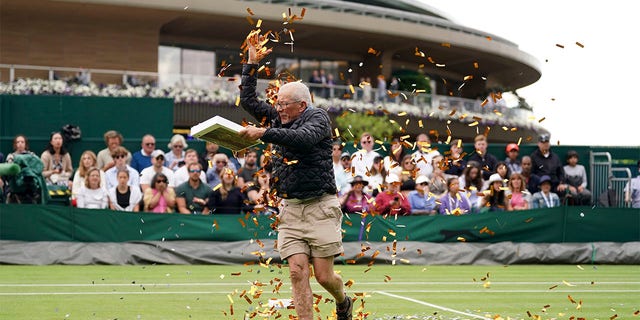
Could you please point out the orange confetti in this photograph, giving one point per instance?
(559, 46)
(579, 44)
(250, 12)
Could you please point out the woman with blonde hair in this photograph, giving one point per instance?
(91, 195)
(87, 161)
(519, 197)
(177, 146)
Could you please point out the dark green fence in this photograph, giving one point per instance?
(557, 225)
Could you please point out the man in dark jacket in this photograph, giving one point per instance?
(310, 217)
(545, 162)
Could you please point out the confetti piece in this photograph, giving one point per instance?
(568, 284)
(553, 287)
(250, 12)
(559, 46)
(542, 119)
(579, 44)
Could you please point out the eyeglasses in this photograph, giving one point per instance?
(178, 146)
(223, 162)
(194, 170)
(149, 144)
(282, 104)
(424, 183)
(161, 181)
(119, 156)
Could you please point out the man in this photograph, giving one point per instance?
(530, 180)
(157, 166)
(632, 191)
(362, 159)
(119, 155)
(546, 162)
(487, 161)
(249, 169)
(182, 174)
(193, 195)
(142, 158)
(512, 161)
(423, 156)
(112, 139)
(302, 168)
(545, 198)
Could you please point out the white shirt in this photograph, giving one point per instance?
(362, 162)
(112, 177)
(92, 198)
(147, 174)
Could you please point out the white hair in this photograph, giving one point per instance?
(298, 91)
(178, 138)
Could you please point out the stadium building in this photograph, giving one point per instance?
(446, 72)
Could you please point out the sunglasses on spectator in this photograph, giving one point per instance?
(224, 162)
(119, 156)
(424, 183)
(161, 181)
(178, 146)
(149, 144)
(194, 170)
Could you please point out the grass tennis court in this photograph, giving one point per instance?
(388, 292)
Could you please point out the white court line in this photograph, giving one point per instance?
(433, 305)
(246, 282)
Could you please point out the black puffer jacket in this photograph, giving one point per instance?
(305, 143)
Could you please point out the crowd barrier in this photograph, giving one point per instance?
(556, 225)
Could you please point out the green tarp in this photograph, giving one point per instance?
(563, 224)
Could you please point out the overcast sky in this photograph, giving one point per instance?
(589, 96)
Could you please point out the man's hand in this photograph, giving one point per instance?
(255, 47)
(252, 132)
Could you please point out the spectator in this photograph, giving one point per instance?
(520, 197)
(545, 162)
(632, 191)
(227, 199)
(423, 156)
(356, 200)
(455, 162)
(119, 155)
(377, 176)
(471, 182)
(408, 168)
(512, 160)
(259, 194)
(159, 198)
(57, 162)
(142, 158)
(438, 179)
(455, 201)
(545, 198)
(123, 197)
(421, 200)
(339, 173)
(362, 160)
(381, 89)
(112, 139)
(87, 160)
(406, 187)
(192, 196)
(495, 198)
(576, 178)
(393, 162)
(220, 163)
(365, 84)
(157, 165)
(503, 170)
(531, 180)
(174, 158)
(486, 160)
(182, 174)
(249, 168)
(391, 201)
(20, 146)
(91, 195)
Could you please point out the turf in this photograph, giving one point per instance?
(383, 292)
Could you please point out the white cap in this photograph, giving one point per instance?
(157, 153)
(422, 178)
(495, 177)
(393, 178)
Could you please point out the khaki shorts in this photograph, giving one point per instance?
(312, 227)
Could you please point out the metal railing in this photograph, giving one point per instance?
(607, 180)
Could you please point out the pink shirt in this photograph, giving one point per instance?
(161, 207)
(517, 200)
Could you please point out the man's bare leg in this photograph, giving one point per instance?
(332, 282)
(302, 295)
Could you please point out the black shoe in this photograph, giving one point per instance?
(345, 313)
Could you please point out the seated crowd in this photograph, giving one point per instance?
(411, 178)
